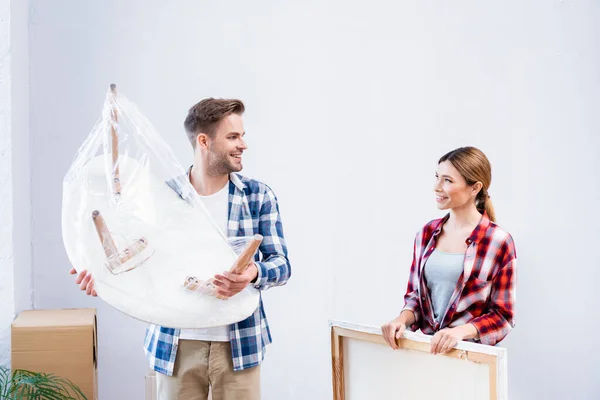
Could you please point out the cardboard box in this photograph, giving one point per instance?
(62, 342)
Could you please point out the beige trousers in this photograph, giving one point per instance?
(201, 365)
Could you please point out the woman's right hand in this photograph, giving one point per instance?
(392, 331)
(85, 281)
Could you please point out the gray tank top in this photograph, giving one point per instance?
(442, 271)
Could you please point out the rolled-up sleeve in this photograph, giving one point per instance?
(274, 269)
(411, 298)
(499, 320)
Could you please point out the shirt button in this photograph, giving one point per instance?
(452, 306)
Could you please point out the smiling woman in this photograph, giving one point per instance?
(462, 279)
(466, 166)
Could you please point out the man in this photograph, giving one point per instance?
(227, 359)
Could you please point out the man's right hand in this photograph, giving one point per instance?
(85, 281)
(392, 331)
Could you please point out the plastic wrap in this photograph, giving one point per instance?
(131, 217)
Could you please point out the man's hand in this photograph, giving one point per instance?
(229, 284)
(85, 282)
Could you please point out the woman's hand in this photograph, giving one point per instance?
(392, 331)
(445, 339)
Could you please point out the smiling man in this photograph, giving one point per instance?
(226, 358)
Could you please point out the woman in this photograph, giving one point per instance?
(462, 279)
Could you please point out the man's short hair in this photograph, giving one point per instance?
(204, 117)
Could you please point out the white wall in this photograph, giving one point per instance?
(349, 107)
(6, 234)
(23, 273)
(15, 201)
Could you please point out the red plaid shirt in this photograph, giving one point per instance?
(485, 292)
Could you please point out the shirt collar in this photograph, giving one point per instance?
(475, 236)
(233, 177)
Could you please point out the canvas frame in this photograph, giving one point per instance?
(495, 357)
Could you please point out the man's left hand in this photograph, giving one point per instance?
(229, 283)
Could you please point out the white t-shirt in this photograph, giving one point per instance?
(218, 207)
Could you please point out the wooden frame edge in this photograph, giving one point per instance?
(337, 357)
(337, 365)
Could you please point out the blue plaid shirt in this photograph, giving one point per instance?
(252, 209)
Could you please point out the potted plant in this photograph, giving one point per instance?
(26, 385)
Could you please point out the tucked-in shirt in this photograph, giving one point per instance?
(485, 293)
(442, 271)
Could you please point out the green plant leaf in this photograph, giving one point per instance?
(4, 382)
(27, 385)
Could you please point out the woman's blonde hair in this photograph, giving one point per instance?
(475, 167)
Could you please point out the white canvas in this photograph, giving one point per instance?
(372, 370)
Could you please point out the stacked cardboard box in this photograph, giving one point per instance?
(62, 342)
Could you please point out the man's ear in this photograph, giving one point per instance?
(202, 141)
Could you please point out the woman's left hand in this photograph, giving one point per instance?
(445, 340)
